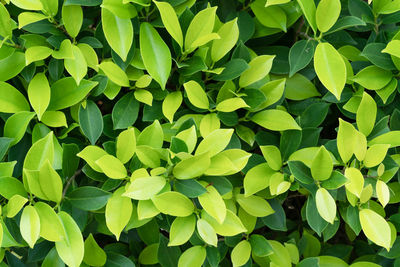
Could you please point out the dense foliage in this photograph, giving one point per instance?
(199, 133)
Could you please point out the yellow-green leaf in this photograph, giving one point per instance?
(112, 167)
(114, 73)
(118, 212)
(383, 193)
(213, 204)
(275, 120)
(51, 227)
(182, 228)
(36, 53)
(207, 232)
(375, 155)
(241, 253)
(145, 188)
(192, 257)
(346, 140)
(174, 204)
(257, 179)
(94, 254)
(366, 114)
(72, 16)
(229, 34)
(375, 228)
(91, 154)
(196, 94)
(126, 145)
(326, 205)
(254, 205)
(171, 104)
(30, 225)
(259, 67)
(322, 165)
(327, 13)
(231, 104)
(170, 21)
(76, 67)
(356, 184)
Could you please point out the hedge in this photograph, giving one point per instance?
(199, 133)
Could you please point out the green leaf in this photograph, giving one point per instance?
(170, 21)
(273, 157)
(71, 248)
(322, 165)
(330, 68)
(91, 154)
(30, 225)
(155, 54)
(65, 51)
(356, 184)
(298, 87)
(40, 152)
(88, 198)
(174, 204)
(201, 25)
(91, 121)
(270, 16)
(171, 104)
(375, 155)
(118, 212)
(72, 17)
(375, 228)
(213, 204)
(241, 253)
(392, 48)
(231, 226)
(94, 254)
(54, 119)
(10, 67)
(215, 142)
(149, 255)
(366, 114)
(51, 227)
(229, 34)
(125, 112)
(50, 182)
(231, 104)
(118, 32)
(14, 205)
(207, 232)
(196, 94)
(26, 18)
(192, 257)
(145, 188)
(275, 120)
(259, 67)
(112, 167)
(114, 73)
(346, 140)
(326, 205)
(152, 136)
(327, 13)
(10, 186)
(382, 192)
(260, 245)
(50, 7)
(391, 138)
(182, 228)
(254, 205)
(126, 145)
(300, 55)
(11, 100)
(309, 11)
(5, 22)
(37, 53)
(373, 77)
(120, 8)
(76, 67)
(39, 93)
(16, 125)
(257, 179)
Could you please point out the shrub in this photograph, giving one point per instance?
(199, 133)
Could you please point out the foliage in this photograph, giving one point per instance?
(199, 133)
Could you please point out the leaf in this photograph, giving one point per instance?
(94, 254)
(344, 23)
(65, 93)
(39, 94)
(196, 94)
(373, 52)
(373, 77)
(330, 68)
(309, 11)
(326, 205)
(241, 253)
(275, 120)
(391, 138)
(50, 182)
(51, 227)
(201, 25)
(260, 245)
(88, 198)
(71, 248)
(383, 193)
(118, 32)
(29, 5)
(72, 16)
(16, 125)
(322, 165)
(300, 55)
(193, 256)
(254, 205)
(259, 67)
(366, 114)
(125, 112)
(155, 54)
(171, 104)
(170, 21)
(174, 204)
(118, 212)
(215, 142)
(356, 184)
(10, 67)
(392, 48)
(346, 140)
(54, 119)
(273, 157)
(145, 188)
(112, 167)
(11, 100)
(327, 13)
(229, 34)
(207, 232)
(91, 121)
(126, 145)
(5, 22)
(26, 18)
(40, 152)
(30, 225)
(231, 104)
(375, 155)
(270, 16)
(114, 73)
(91, 154)
(14, 205)
(10, 186)
(182, 228)
(257, 179)
(76, 67)
(375, 228)
(37, 53)
(213, 204)
(149, 254)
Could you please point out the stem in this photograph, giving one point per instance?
(69, 181)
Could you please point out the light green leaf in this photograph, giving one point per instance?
(36, 53)
(326, 205)
(275, 120)
(346, 140)
(71, 248)
(208, 124)
(145, 188)
(90, 56)
(51, 227)
(254, 205)
(330, 68)
(375, 155)
(182, 228)
(207, 232)
(50, 182)
(126, 145)
(273, 156)
(149, 255)
(259, 67)
(171, 104)
(15, 126)
(144, 96)
(30, 225)
(65, 51)
(118, 32)
(229, 34)
(231, 104)
(356, 184)
(257, 179)
(120, 8)
(40, 152)
(28, 4)
(270, 16)
(26, 18)
(373, 77)
(174, 204)
(322, 165)
(50, 7)
(14, 205)
(5, 22)
(170, 21)
(393, 48)
(309, 11)
(91, 154)
(152, 135)
(192, 257)
(54, 119)
(94, 254)
(327, 13)
(72, 17)
(392, 138)
(231, 226)
(241, 253)
(39, 94)
(366, 114)
(213, 204)
(196, 94)
(76, 67)
(118, 212)
(382, 192)
(215, 142)
(11, 100)
(155, 54)
(189, 136)
(201, 25)
(11, 66)
(375, 228)
(112, 167)
(114, 73)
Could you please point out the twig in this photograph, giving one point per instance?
(70, 181)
